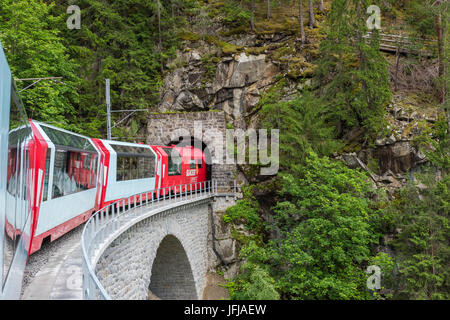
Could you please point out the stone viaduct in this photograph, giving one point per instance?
(165, 250)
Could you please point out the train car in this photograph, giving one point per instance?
(17, 172)
(179, 166)
(126, 169)
(66, 171)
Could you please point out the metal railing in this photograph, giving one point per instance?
(117, 216)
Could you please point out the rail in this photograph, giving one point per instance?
(111, 220)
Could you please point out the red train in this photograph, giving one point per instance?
(76, 175)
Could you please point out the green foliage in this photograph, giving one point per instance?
(421, 17)
(302, 124)
(325, 223)
(254, 283)
(435, 144)
(34, 49)
(129, 43)
(234, 15)
(386, 264)
(210, 62)
(351, 72)
(244, 211)
(326, 227)
(422, 246)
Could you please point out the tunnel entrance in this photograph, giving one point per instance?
(192, 141)
(172, 277)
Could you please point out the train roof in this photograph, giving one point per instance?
(64, 138)
(128, 148)
(185, 151)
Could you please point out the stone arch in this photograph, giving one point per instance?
(171, 274)
(207, 127)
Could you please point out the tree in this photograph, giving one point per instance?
(326, 227)
(302, 123)
(300, 20)
(352, 74)
(128, 45)
(440, 31)
(429, 19)
(311, 15)
(422, 245)
(252, 9)
(321, 6)
(35, 49)
(254, 282)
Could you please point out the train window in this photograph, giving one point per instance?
(69, 175)
(87, 161)
(15, 207)
(134, 162)
(47, 175)
(67, 140)
(200, 163)
(192, 164)
(149, 166)
(93, 171)
(120, 169)
(133, 168)
(174, 166)
(141, 168)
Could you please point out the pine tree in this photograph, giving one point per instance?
(429, 19)
(302, 123)
(422, 246)
(312, 21)
(300, 20)
(352, 73)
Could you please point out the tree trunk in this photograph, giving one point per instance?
(321, 7)
(159, 34)
(311, 14)
(300, 20)
(440, 57)
(268, 9)
(397, 62)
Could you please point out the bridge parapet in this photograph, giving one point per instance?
(143, 215)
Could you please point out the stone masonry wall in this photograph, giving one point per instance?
(125, 268)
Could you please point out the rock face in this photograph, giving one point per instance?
(226, 253)
(394, 155)
(238, 83)
(235, 87)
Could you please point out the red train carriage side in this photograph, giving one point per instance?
(66, 171)
(180, 166)
(126, 169)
